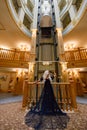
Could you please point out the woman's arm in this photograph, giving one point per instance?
(53, 76)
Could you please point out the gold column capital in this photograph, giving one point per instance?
(34, 30)
(59, 30)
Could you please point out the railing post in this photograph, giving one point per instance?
(36, 93)
(25, 94)
(79, 89)
(79, 53)
(73, 94)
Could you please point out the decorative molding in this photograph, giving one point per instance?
(77, 18)
(15, 17)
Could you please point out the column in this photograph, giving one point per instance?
(33, 45)
(34, 27)
(21, 14)
(60, 44)
(73, 95)
(35, 12)
(59, 29)
(64, 73)
(57, 17)
(25, 94)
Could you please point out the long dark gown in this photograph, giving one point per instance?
(46, 113)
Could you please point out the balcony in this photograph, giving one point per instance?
(15, 58)
(76, 57)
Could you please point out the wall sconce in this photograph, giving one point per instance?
(73, 73)
(20, 72)
(69, 46)
(24, 48)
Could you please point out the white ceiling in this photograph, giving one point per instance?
(78, 35)
(11, 36)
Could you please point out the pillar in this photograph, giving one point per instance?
(25, 94)
(35, 12)
(60, 44)
(57, 17)
(64, 71)
(33, 45)
(73, 94)
(34, 27)
(21, 14)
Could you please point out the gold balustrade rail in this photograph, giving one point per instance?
(15, 58)
(78, 54)
(64, 93)
(16, 55)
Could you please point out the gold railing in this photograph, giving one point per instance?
(16, 55)
(6, 54)
(76, 55)
(15, 58)
(64, 94)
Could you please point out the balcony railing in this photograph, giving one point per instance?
(64, 94)
(15, 55)
(79, 54)
(15, 58)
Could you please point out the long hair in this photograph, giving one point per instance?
(46, 73)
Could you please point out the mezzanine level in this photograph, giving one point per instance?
(76, 57)
(15, 58)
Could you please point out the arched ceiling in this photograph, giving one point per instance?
(78, 35)
(11, 36)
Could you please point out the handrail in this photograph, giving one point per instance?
(53, 83)
(64, 93)
(15, 55)
(78, 54)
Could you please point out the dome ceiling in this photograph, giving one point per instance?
(78, 35)
(11, 36)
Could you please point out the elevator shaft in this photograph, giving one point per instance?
(46, 45)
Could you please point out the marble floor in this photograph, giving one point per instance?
(82, 100)
(12, 114)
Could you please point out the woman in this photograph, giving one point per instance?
(46, 108)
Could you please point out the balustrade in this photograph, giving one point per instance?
(15, 55)
(78, 54)
(64, 94)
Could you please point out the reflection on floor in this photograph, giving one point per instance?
(82, 100)
(9, 97)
